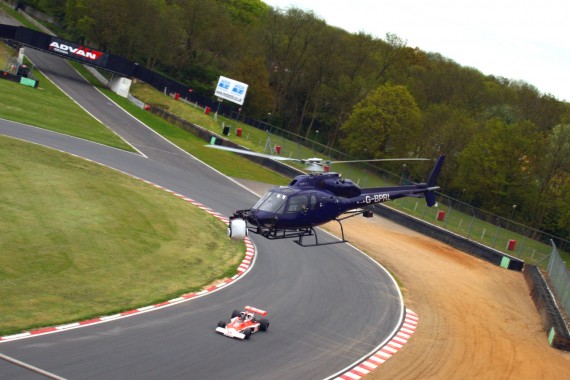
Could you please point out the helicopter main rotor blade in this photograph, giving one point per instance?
(380, 159)
(315, 163)
(250, 153)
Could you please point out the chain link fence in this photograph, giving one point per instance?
(528, 244)
(559, 277)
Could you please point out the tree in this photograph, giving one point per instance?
(259, 100)
(246, 12)
(338, 98)
(553, 178)
(385, 123)
(134, 29)
(157, 32)
(446, 129)
(51, 7)
(287, 39)
(563, 205)
(322, 67)
(359, 49)
(496, 167)
(543, 110)
(389, 55)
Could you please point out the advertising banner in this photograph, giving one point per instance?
(78, 52)
(231, 90)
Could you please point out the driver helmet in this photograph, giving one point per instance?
(242, 316)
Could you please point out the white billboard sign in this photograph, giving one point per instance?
(231, 90)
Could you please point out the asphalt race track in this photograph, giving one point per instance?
(329, 306)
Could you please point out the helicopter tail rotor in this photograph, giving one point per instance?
(430, 198)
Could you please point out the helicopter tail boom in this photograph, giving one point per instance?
(426, 190)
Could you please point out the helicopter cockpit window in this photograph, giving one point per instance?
(298, 203)
(271, 202)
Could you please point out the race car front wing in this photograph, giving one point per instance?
(230, 332)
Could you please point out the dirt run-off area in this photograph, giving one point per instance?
(476, 320)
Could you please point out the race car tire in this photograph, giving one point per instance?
(235, 313)
(237, 230)
(263, 324)
(222, 324)
(247, 333)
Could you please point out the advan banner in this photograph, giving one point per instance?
(79, 52)
(231, 90)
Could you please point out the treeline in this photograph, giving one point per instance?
(508, 143)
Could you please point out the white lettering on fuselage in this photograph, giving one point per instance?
(377, 198)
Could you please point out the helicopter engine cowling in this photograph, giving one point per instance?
(341, 187)
(237, 229)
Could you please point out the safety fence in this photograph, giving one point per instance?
(515, 239)
(559, 277)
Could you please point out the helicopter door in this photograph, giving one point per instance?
(298, 204)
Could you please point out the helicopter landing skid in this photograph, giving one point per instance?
(314, 233)
(274, 234)
(365, 212)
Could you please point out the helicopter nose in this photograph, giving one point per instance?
(265, 219)
(268, 222)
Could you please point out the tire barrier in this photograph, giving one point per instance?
(552, 319)
(20, 79)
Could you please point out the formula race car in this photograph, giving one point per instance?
(243, 323)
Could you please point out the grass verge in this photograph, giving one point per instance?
(81, 240)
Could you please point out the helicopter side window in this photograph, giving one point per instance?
(298, 204)
(313, 201)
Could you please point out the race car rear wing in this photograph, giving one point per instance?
(263, 313)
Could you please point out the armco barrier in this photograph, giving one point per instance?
(553, 322)
(469, 246)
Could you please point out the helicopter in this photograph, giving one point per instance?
(313, 199)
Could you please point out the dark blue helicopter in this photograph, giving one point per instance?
(314, 199)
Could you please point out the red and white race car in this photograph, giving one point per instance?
(243, 323)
